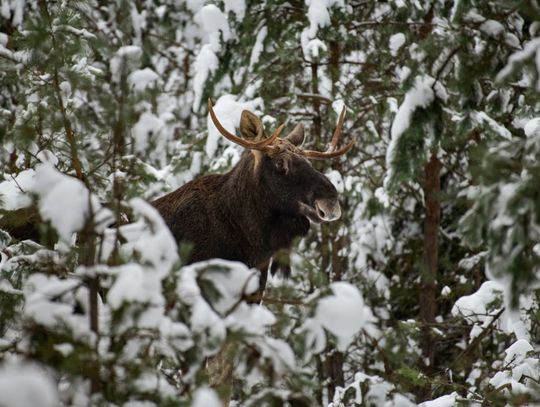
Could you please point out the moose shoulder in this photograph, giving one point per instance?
(268, 199)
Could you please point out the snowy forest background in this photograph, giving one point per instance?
(425, 291)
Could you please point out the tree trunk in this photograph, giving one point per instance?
(428, 282)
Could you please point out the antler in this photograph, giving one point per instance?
(262, 145)
(331, 152)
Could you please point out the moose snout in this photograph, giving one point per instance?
(328, 209)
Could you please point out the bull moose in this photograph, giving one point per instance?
(262, 204)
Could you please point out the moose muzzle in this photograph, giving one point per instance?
(328, 209)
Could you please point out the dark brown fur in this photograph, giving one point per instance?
(248, 213)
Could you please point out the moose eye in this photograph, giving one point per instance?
(280, 165)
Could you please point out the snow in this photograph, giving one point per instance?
(499, 129)
(156, 246)
(205, 397)
(445, 401)
(258, 47)
(492, 28)
(124, 61)
(342, 313)
(14, 10)
(214, 25)
(130, 286)
(203, 318)
(396, 42)
(532, 128)
(319, 15)
(231, 280)
(13, 192)
(66, 202)
(311, 48)
(474, 307)
(147, 128)
(336, 179)
(143, 79)
(205, 65)
(250, 319)
(530, 50)
(421, 95)
(237, 7)
(26, 385)
(228, 110)
(277, 351)
(517, 352)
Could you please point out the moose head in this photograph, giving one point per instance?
(285, 175)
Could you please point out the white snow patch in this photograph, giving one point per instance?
(319, 15)
(474, 307)
(148, 127)
(205, 65)
(13, 192)
(499, 129)
(445, 401)
(142, 79)
(126, 59)
(530, 50)
(214, 24)
(311, 47)
(237, 7)
(26, 385)
(66, 202)
(131, 286)
(396, 42)
(517, 352)
(492, 28)
(532, 128)
(205, 397)
(258, 47)
(342, 313)
(421, 95)
(228, 110)
(232, 280)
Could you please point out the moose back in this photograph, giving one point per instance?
(261, 205)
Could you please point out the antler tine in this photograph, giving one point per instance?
(337, 132)
(259, 145)
(320, 155)
(331, 152)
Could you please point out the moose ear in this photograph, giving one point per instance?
(251, 127)
(296, 136)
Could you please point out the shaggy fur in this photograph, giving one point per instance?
(250, 212)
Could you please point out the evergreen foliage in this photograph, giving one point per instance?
(426, 289)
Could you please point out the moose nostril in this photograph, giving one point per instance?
(328, 210)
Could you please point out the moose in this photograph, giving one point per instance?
(262, 204)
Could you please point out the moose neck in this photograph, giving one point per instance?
(244, 199)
